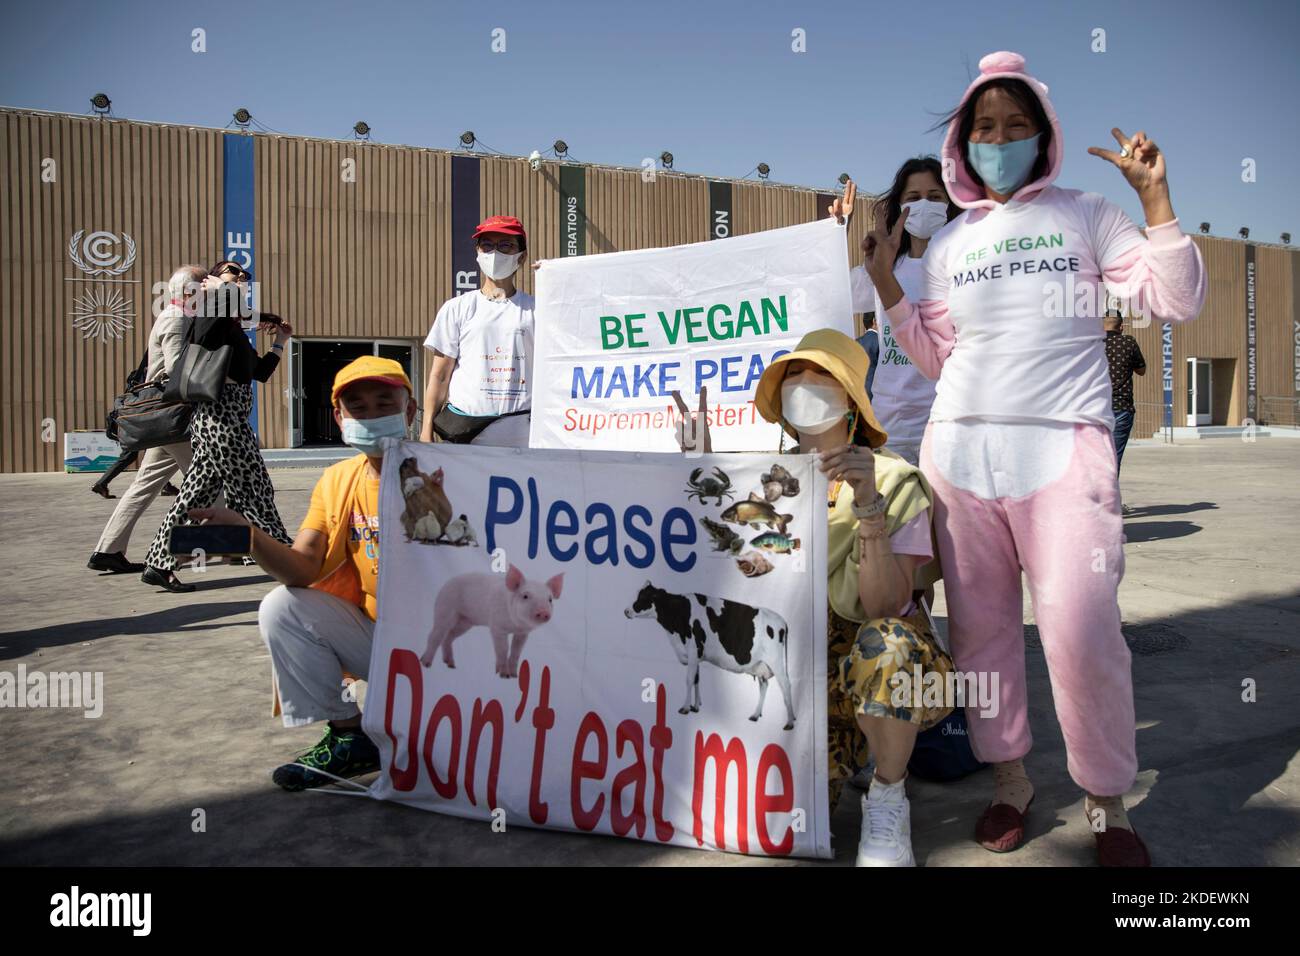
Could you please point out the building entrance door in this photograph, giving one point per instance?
(1199, 391)
(314, 363)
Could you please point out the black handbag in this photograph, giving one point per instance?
(200, 372)
(462, 429)
(143, 417)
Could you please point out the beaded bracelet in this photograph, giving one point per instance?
(875, 509)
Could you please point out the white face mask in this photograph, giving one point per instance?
(813, 409)
(925, 217)
(499, 265)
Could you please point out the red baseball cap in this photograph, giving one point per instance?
(506, 225)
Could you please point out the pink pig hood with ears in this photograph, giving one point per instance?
(963, 190)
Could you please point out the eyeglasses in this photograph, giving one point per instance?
(508, 246)
(238, 274)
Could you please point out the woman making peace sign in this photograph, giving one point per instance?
(1018, 449)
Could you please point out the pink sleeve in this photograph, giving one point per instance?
(1161, 277)
(925, 332)
(914, 538)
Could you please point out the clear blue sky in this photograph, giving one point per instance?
(716, 83)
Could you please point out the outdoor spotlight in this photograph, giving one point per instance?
(101, 103)
(844, 179)
(535, 160)
(1205, 227)
(467, 139)
(666, 159)
(242, 117)
(561, 149)
(763, 170)
(1244, 232)
(362, 129)
(1286, 238)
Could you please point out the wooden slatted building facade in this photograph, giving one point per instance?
(353, 243)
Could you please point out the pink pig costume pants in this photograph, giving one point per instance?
(1061, 524)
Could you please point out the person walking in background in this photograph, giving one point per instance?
(901, 395)
(479, 388)
(157, 466)
(226, 453)
(1125, 360)
(863, 299)
(870, 342)
(124, 462)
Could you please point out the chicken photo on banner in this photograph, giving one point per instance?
(620, 643)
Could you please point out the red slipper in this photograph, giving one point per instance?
(1001, 827)
(1119, 847)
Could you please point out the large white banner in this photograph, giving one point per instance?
(616, 334)
(615, 643)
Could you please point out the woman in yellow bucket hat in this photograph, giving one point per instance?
(881, 560)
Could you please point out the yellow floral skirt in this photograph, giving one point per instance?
(862, 661)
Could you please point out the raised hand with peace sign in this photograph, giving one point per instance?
(881, 254)
(693, 434)
(1143, 166)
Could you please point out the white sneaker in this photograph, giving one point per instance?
(886, 827)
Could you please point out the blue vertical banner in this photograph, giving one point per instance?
(237, 222)
(1167, 370)
(464, 218)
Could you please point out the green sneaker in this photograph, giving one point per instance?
(349, 753)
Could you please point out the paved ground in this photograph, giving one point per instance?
(1211, 597)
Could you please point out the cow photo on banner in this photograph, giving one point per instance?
(618, 643)
(618, 333)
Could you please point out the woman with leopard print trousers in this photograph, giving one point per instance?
(226, 453)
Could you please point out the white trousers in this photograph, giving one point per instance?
(313, 638)
(510, 432)
(157, 466)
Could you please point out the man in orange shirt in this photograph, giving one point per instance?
(320, 622)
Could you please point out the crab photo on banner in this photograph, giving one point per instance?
(617, 334)
(610, 642)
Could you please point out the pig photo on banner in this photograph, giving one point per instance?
(616, 334)
(610, 642)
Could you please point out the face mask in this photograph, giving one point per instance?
(498, 265)
(1004, 168)
(925, 217)
(813, 408)
(364, 434)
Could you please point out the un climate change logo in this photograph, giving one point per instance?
(97, 253)
(102, 309)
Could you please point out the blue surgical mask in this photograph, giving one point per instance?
(1004, 168)
(364, 434)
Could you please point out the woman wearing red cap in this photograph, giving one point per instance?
(479, 388)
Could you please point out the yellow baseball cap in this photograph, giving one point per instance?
(369, 368)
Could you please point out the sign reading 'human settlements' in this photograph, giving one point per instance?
(618, 333)
(605, 642)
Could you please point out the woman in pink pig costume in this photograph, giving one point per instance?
(1018, 447)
